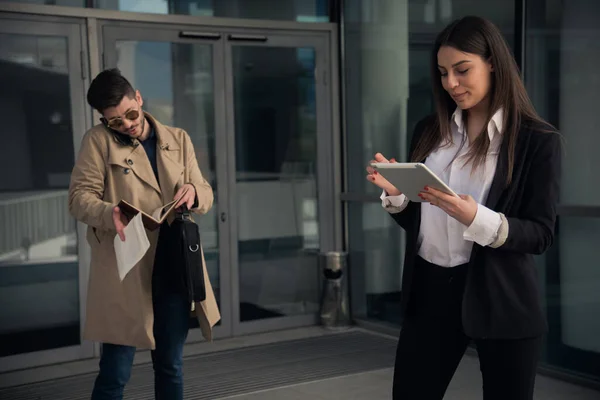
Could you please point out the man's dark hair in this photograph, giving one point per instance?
(108, 89)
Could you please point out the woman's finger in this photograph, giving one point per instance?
(380, 158)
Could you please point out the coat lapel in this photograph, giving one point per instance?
(499, 181)
(140, 164)
(133, 158)
(169, 169)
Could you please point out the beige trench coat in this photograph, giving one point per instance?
(106, 172)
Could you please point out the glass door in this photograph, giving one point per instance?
(43, 259)
(257, 107)
(278, 122)
(178, 72)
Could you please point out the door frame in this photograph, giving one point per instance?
(320, 42)
(328, 181)
(75, 32)
(109, 33)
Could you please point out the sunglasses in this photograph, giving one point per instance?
(116, 123)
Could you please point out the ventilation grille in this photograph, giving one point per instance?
(239, 371)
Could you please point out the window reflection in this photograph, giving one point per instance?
(563, 80)
(39, 298)
(388, 90)
(284, 10)
(276, 184)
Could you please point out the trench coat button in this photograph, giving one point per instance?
(126, 171)
(130, 162)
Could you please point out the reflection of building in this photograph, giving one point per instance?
(259, 94)
(37, 227)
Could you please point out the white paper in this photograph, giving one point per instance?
(136, 244)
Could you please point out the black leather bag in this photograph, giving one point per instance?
(186, 249)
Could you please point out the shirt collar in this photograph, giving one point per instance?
(494, 127)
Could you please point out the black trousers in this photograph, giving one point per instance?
(432, 343)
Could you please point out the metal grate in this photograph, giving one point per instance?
(232, 372)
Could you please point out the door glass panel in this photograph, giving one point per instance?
(39, 279)
(276, 187)
(176, 83)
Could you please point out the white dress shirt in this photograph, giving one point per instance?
(442, 239)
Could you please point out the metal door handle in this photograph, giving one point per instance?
(223, 217)
(248, 38)
(199, 35)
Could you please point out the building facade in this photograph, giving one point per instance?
(285, 101)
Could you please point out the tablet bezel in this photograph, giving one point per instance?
(421, 176)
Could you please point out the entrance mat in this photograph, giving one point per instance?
(245, 370)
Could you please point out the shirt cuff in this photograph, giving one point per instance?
(502, 233)
(393, 204)
(485, 227)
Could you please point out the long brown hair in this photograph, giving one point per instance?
(476, 35)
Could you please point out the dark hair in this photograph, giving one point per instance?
(108, 89)
(476, 35)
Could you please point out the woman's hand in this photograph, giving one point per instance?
(462, 208)
(374, 177)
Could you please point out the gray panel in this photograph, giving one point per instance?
(113, 32)
(164, 19)
(74, 31)
(325, 175)
(229, 373)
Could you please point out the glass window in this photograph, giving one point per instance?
(39, 266)
(66, 3)
(376, 261)
(388, 90)
(288, 10)
(276, 184)
(563, 43)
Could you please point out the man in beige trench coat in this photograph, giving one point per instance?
(134, 157)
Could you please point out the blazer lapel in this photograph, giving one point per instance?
(499, 181)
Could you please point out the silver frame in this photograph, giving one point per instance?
(91, 23)
(113, 31)
(126, 16)
(73, 31)
(110, 31)
(325, 182)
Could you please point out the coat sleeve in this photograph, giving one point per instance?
(86, 189)
(193, 176)
(532, 232)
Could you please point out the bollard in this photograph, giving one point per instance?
(334, 310)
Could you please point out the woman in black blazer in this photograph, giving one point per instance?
(469, 272)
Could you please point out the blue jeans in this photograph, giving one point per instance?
(171, 319)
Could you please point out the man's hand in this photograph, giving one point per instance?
(188, 198)
(462, 208)
(120, 221)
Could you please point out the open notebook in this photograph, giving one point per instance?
(153, 220)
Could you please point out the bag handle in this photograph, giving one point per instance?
(184, 213)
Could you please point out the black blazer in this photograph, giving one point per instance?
(501, 298)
